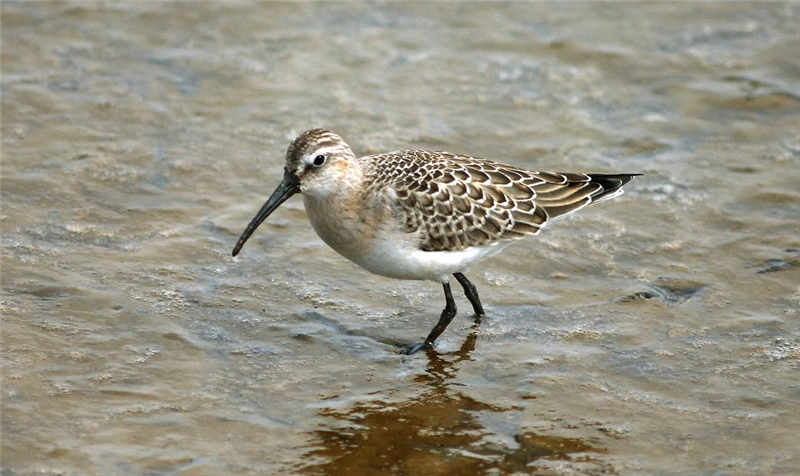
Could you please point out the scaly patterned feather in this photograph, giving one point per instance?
(453, 202)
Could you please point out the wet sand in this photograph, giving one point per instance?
(655, 334)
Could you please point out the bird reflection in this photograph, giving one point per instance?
(443, 367)
(437, 432)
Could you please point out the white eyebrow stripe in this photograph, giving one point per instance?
(324, 151)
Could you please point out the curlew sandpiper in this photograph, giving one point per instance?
(421, 214)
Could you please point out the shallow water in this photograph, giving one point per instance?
(658, 333)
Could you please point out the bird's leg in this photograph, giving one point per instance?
(448, 314)
(472, 294)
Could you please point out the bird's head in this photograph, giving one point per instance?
(318, 163)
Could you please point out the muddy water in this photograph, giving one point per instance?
(658, 333)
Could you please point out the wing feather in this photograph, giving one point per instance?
(453, 202)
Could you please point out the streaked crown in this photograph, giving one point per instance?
(308, 146)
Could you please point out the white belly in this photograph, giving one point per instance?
(388, 258)
(374, 240)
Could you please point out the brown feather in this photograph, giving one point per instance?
(455, 202)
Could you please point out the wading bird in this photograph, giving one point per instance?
(421, 214)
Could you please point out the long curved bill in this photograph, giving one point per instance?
(288, 187)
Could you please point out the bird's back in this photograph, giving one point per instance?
(454, 202)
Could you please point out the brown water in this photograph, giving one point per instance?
(655, 334)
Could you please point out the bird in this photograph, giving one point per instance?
(423, 214)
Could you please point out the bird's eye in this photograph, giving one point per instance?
(319, 160)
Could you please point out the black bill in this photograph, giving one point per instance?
(286, 189)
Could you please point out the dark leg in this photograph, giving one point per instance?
(472, 294)
(447, 315)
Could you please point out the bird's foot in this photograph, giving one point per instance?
(415, 347)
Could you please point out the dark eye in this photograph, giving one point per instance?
(319, 160)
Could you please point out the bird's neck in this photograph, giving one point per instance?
(344, 216)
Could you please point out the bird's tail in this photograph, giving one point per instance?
(612, 185)
(579, 191)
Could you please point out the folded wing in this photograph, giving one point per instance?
(454, 202)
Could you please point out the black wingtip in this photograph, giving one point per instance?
(611, 183)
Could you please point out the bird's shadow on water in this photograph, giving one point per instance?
(437, 431)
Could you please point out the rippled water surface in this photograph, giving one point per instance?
(658, 333)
